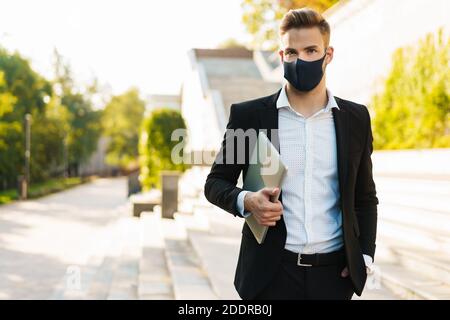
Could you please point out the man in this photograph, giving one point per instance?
(321, 238)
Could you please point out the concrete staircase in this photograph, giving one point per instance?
(194, 255)
(145, 258)
(413, 246)
(232, 90)
(412, 259)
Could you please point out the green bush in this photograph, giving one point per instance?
(155, 146)
(413, 110)
(37, 190)
(121, 120)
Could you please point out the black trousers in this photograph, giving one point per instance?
(293, 282)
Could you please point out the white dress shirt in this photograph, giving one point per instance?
(311, 194)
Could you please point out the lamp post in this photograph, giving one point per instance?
(24, 180)
(65, 156)
(27, 146)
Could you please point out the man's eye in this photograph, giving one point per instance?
(312, 50)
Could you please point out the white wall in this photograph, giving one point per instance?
(433, 162)
(365, 33)
(199, 114)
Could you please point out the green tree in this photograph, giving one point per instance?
(59, 114)
(262, 17)
(47, 141)
(80, 128)
(121, 121)
(156, 145)
(22, 91)
(29, 88)
(7, 100)
(230, 43)
(10, 135)
(413, 109)
(84, 130)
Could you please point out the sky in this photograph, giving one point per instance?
(123, 43)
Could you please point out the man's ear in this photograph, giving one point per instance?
(280, 53)
(330, 54)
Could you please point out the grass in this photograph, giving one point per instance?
(37, 190)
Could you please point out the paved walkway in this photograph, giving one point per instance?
(40, 239)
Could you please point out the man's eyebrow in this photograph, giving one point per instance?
(312, 47)
(306, 48)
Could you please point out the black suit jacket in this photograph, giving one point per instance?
(258, 263)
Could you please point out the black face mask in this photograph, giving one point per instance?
(304, 75)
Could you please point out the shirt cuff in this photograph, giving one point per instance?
(368, 260)
(240, 204)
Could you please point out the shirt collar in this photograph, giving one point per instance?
(283, 101)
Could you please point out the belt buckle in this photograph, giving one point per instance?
(299, 261)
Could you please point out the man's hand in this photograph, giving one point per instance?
(345, 273)
(267, 213)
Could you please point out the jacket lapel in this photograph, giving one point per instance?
(341, 124)
(268, 119)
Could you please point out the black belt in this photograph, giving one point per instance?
(313, 260)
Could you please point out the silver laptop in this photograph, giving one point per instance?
(265, 170)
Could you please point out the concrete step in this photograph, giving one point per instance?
(193, 180)
(186, 204)
(125, 278)
(223, 223)
(101, 285)
(407, 234)
(79, 279)
(411, 285)
(209, 236)
(218, 256)
(192, 221)
(190, 191)
(394, 279)
(429, 264)
(376, 292)
(401, 274)
(422, 218)
(188, 277)
(426, 195)
(223, 235)
(408, 185)
(145, 201)
(426, 201)
(411, 257)
(155, 282)
(206, 217)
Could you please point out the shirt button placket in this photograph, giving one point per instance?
(307, 188)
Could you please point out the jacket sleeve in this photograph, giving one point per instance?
(220, 186)
(366, 200)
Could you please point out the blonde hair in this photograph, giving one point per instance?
(305, 18)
